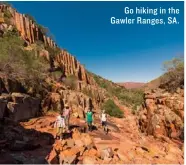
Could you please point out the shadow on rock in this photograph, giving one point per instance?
(23, 146)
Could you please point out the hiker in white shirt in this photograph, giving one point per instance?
(60, 126)
(103, 118)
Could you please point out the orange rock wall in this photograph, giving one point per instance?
(30, 32)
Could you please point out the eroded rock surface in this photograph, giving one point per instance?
(163, 114)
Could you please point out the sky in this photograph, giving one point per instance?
(121, 53)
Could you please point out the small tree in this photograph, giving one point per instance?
(174, 76)
(112, 109)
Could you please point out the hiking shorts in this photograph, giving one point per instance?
(89, 122)
(60, 130)
(104, 123)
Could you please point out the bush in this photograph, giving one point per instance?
(21, 64)
(71, 82)
(6, 3)
(112, 109)
(7, 17)
(87, 92)
(174, 76)
(53, 51)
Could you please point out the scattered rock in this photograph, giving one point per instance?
(89, 160)
(106, 153)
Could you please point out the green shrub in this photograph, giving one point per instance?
(112, 109)
(7, 14)
(21, 64)
(6, 3)
(71, 82)
(57, 75)
(87, 92)
(174, 76)
(53, 52)
(7, 17)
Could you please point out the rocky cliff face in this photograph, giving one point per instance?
(31, 33)
(86, 89)
(28, 30)
(72, 67)
(163, 114)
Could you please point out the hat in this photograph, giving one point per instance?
(66, 105)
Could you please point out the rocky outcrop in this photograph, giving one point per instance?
(18, 106)
(80, 149)
(16, 142)
(72, 67)
(163, 114)
(31, 33)
(27, 28)
(77, 101)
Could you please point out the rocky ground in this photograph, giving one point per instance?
(33, 142)
(152, 136)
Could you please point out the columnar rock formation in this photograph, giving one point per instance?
(72, 67)
(30, 32)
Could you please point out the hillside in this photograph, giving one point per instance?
(58, 65)
(131, 85)
(37, 78)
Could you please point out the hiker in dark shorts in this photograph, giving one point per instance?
(103, 118)
(89, 119)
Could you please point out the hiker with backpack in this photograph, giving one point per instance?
(89, 119)
(60, 126)
(103, 118)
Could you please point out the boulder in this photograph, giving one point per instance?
(92, 152)
(89, 160)
(79, 143)
(69, 156)
(106, 153)
(25, 108)
(87, 140)
(18, 97)
(70, 143)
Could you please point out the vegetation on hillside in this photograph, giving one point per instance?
(174, 76)
(71, 82)
(87, 92)
(129, 97)
(5, 3)
(112, 109)
(21, 64)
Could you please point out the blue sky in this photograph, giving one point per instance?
(120, 53)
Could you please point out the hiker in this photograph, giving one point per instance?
(66, 114)
(103, 118)
(60, 126)
(89, 119)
